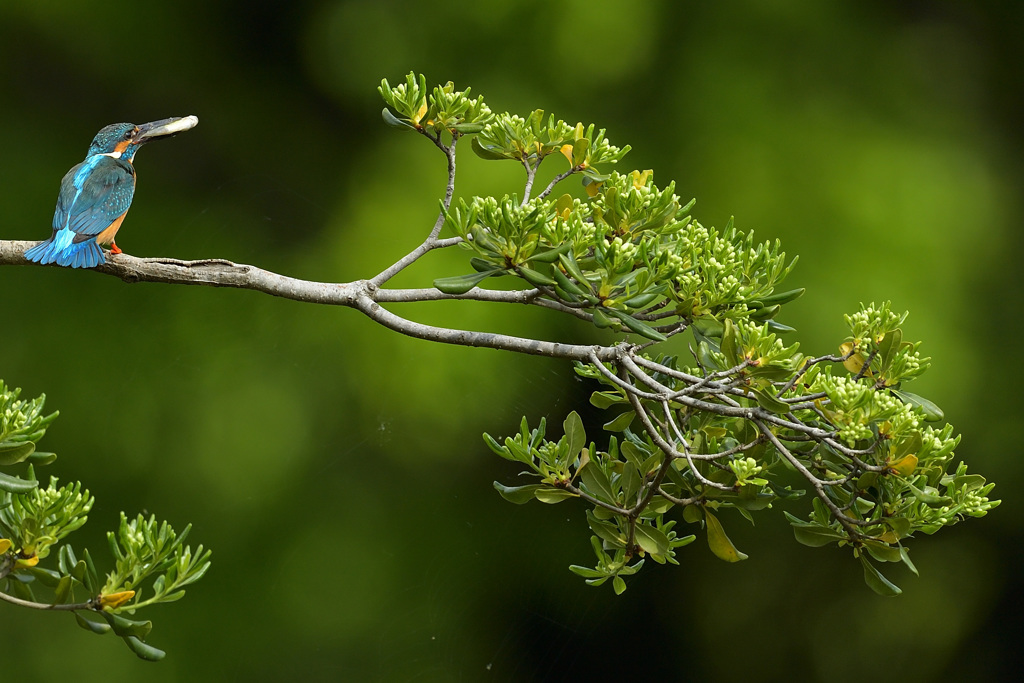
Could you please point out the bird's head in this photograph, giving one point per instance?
(122, 140)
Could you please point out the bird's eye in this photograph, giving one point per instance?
(129, 134)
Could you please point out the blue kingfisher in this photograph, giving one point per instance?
(95, 195)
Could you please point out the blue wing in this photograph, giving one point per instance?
(93, 195)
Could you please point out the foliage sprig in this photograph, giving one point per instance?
(732, 419)
(34, 521)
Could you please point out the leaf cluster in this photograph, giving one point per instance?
(441, 109)
(625, 522)
(748, 420)
(34, 521)
(627, 254)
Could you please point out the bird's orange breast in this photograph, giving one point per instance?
(108, 234)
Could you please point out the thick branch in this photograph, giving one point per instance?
(504, 342)
(360, 294)
(208, 272)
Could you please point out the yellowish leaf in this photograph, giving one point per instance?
(115, 600)
(419, 114)
(854, 363)
(566, 151)
(26, 562)
(719, 543)
(904, 466)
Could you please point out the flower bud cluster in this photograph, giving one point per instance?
(855, 407)
(872, 322)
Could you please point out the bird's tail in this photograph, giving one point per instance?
(60, 249)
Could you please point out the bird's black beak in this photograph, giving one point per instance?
(164, 127)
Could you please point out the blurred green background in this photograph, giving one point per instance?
(337, 469)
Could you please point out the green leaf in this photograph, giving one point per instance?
(143, 651)
(127, 627)
(693, 514)
(729, 339)
(651, 539)
(630, 482)
(62, 594)
(46, 577)
(13, 452)
(708, 327)
(601, 320)
(16, 484)
(719, 543)
(882, 551)
(394, 121)
(641, 300)
(932, 413)
(91, 579)
(621, 422)
(816, 536)
(552, 495)
(594, 175)
(579, 151)
(467, 128)
(501, 450)
(551, 255)
(534, 277)
(905, 556)
(899, 525)
(482, 266)
(970, 482)
(781, 297)
(766, 313)
(97, 627)
(604, 399)
(41, 458)
(606, 531)
(575, 434)
(517, 494)
(878, 583)
(566, 284)
(568, 261)
(634, 454)
(485, 152)
(587, 572)
(888, 347)
(929, 498)
(460, 284)
(779, 328)
(596, 482)
(619, 585)
(911, 445)
(770, 403)
(637, 326)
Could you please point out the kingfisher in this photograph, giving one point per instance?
(95, 195)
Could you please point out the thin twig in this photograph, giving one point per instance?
(432, 241)
(531, 175)
(557, 179)
(44, 606)
(595, 501)
(848, 523)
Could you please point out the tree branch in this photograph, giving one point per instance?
(366, 303)
(360, 294)
(44, 606)
(208, 272)
(557, 179)
(432, 242)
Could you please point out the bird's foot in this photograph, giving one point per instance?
(114, 249)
